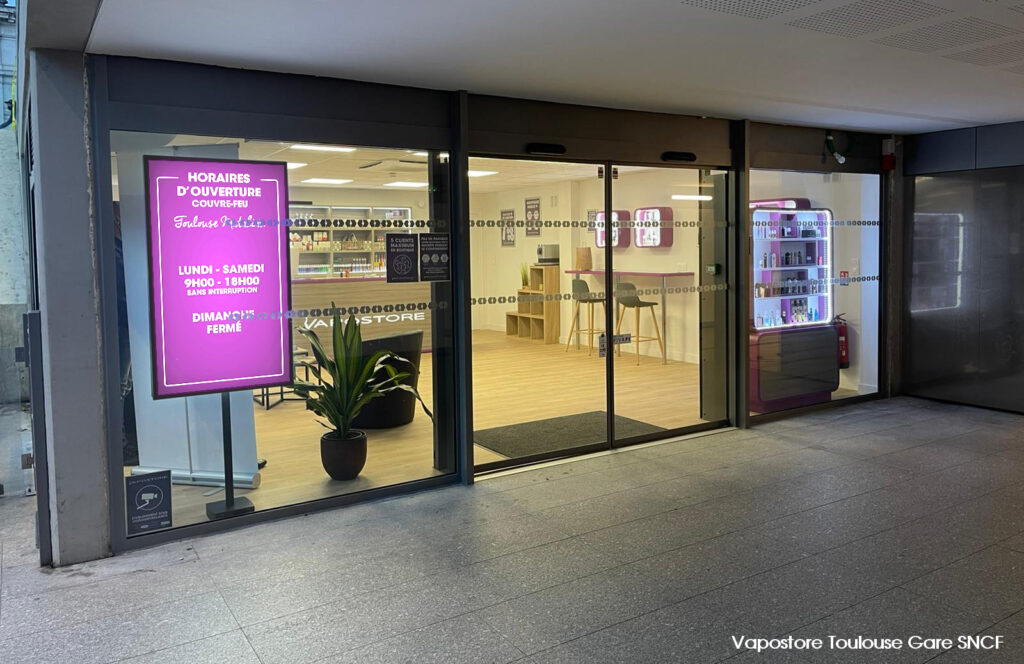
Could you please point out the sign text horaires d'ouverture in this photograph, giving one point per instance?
(210, 273)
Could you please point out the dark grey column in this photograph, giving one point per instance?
(76, 438)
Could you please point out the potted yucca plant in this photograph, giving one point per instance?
(342, 385)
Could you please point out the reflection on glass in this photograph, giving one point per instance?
(963, 333)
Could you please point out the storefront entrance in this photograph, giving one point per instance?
(596, 307)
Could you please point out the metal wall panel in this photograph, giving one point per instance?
(941, 151)
(965, 301)
(1001, 145)
(504, 126)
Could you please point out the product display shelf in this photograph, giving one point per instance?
(537, 316)
(792, 258)
(329, 252)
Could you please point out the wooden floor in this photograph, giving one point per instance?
(514, 380)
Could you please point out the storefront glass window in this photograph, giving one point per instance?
(343, 204)
(814, 298)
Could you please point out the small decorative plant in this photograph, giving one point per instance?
(342, 386)
(524, 273)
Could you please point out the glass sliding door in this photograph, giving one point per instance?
(668, 299)
(539, 382)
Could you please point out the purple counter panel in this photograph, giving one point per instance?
(653, 227)
(620, 236)
(219, 277)
(795, 367)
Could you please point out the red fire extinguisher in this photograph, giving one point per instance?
(844, 342)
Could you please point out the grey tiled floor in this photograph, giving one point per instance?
(886, 519)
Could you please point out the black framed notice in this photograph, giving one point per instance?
(402, 258)
(532, 216)
(508, 228)
(435, 257)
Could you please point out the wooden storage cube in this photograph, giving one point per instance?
(524, 327)
(524, 301)
(537, 328)
(511, 324)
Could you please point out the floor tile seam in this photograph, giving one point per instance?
(961, 611)
(171, 647)
(439, 572)
(322, 605)
(630, 450)
(594, 631)
(96, 582)
(436, 571)
(286, 575)
(240, 629)
(1001, 543)
(277, 521)
(730, 495)
(994, 545)
(112, 614)
(896, 526)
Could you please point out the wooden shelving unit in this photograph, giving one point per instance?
(341, 252)
(537, 317)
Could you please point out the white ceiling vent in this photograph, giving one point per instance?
(951, 34)
(866, 16)
(759, 9)
(395, 166)
(997, 54)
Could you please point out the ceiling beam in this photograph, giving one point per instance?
(58, 24)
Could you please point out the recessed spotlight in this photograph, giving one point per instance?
(325, 181)
(322, 148)
(692, 197)
(480, 174)
(407, 185)
(292, 165)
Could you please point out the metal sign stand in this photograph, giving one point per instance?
(230, 506)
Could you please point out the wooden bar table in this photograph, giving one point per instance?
(664, 276)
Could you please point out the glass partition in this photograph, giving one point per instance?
(539, 385)
(344, 206)
(668, 276)
(814, 300)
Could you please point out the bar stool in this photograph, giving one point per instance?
(581, 295)
(627, 298)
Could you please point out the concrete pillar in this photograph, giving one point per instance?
(76, 436)
(13, 270)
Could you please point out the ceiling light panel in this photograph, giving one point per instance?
(756, 9)
(996, 54)
(326, 181)
(867, 16)
(950, 34)
(406, 185)
(292, 165)
(322, 148)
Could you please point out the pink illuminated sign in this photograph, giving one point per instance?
(219, 275)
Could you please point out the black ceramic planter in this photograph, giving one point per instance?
(343, 458)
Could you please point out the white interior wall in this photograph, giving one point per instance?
(851, 197)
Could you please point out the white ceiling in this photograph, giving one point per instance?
(893, 65)
(385, 165)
